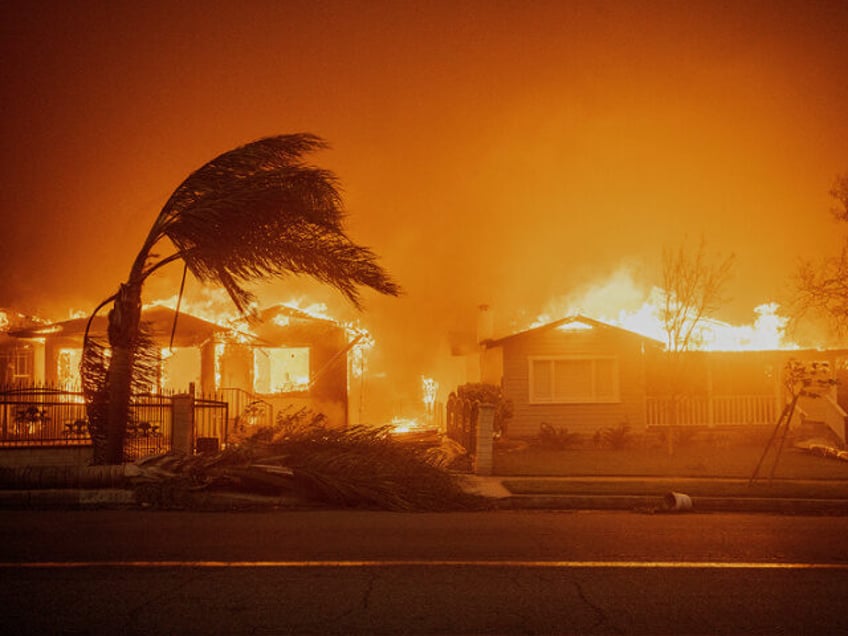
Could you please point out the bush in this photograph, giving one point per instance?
(617, 437)
(556, 438)
(489, 394)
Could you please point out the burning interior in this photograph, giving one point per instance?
(284, 357)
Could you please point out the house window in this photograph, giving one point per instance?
(16, 365)
(68, 370)
(281, 369)
(582, 379)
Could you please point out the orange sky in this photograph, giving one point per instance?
(491, 152)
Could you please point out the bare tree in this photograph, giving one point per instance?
(822, 287)
(693, 287)
(255, 212)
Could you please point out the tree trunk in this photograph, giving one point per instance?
(124, 320)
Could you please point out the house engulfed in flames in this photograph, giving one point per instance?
(17, 357)
(584, 375)
(285, 358)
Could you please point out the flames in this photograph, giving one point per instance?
(215, 306)
(766, 332)
(620, 302)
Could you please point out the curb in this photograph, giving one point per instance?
(121, 499)
(654, 504)
(51, 499)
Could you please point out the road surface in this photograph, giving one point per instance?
(369, 572)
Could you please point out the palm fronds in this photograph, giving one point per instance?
(255, 212)
(356, 467)
(259, 211)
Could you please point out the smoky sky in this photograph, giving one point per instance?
(490, 152)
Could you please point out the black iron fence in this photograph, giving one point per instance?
(32, 416)
(211, 423)
(245, 409)
(47, 416)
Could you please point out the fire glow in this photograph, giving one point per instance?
(603, 303)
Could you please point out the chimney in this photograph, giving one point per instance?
(485, 323)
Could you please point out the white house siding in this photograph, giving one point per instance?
(583, 418)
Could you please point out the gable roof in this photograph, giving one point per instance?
(577, 321)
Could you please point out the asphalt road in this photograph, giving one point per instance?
(366, 572)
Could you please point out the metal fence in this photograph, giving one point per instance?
(47, 416)
(211, 422)
(32, 416)
(246, 409)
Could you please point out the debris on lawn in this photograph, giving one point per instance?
(356, 467)
(822, 449)
(676, 502)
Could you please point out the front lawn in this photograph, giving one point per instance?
(694, 459)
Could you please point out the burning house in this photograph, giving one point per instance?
(18, 359)
(186, 357)
(575, 372)
(294, 360)
(583, 375)
(283, 358)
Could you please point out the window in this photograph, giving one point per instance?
(281, 370)
(573, 379)
(68, 371)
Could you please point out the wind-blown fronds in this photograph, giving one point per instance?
(258, 211)
(252, 213)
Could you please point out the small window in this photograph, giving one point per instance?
(580, 379)
(281, 369)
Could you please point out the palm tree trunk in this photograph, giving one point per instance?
(124, 319)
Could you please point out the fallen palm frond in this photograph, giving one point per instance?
(356, 467)
(365, 467)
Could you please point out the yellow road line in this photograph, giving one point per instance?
(749, 565)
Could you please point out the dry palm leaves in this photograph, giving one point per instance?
(357, 467)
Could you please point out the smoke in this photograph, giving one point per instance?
(507, 154)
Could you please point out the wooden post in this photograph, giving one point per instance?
(483, 460)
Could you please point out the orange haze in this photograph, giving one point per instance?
(491, 152)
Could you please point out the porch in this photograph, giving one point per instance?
(717, 410)
(742, 410)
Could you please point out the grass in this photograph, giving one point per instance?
(693, 486)
(701, 469)
(696, 459)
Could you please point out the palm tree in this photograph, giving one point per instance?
(255, 212)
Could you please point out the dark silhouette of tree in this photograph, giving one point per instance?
(255, 212)
(823, 286)
(693, 289)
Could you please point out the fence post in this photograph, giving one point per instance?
(483, 461)
(182, 418)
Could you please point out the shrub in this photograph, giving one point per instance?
(489, 394)
(556, 438)
(617, 437)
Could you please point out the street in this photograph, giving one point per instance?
(371, 572)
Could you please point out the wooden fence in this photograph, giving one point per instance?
(461, 416)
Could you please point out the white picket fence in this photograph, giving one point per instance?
(712, 411)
